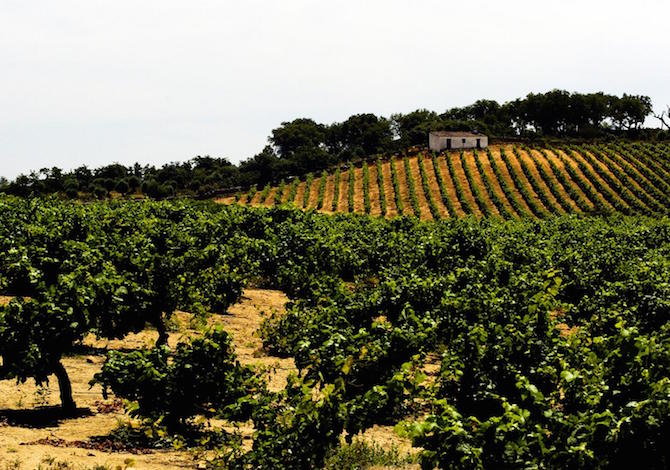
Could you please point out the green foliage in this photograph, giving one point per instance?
(506, 189)
(360, 455)
(380, 185)
(396, 187)
(350, 187)
(411, 187)
(323, 181)
(308, 187)
(279, 193)
(490, 190)
(265, 193)
(201, 377)
(474, 188)
(460, 192)
(529, 198)
(336, 189)
(584, 204)
(434, 211)
(366, 188)
(293, 190)
(448, 203)
(547, 341)
(542, 195)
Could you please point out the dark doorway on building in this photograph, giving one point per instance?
(479, 143)
(448, 144)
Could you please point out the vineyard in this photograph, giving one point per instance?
(482, 342)
(502, 181)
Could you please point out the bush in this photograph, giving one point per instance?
(202, 377)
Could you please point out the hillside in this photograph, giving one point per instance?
(504, 180)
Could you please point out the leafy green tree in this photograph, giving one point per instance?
(298, 135)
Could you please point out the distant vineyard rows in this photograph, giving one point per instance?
(502, 181)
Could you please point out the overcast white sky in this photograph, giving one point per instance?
(94, 82)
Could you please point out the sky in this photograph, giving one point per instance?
(92, 82)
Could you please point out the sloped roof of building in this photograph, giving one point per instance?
(456, 134)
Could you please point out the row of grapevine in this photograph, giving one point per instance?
(631, 193)
(323, 181)
(554, 186)
(488, 185)
(531, 201)
(507, 191)
(582, 182)
(605, 192)
(460, 192)
(535, 184)
(434, 211)
(350, 187)
(483, 205)
(264, 194)
(614, 188)
(280, 192)
(396, 187)
(380, 185)
(293, 190)
(649, 178)
(411, 187)
(336, 190)
(366, 189)
(448, 203)
(308, 188)
(584, 204)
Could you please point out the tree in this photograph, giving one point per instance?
(298, 135)
(122, 187)
(360, 135)
(662, 116)
(413, 128)
(630, 111)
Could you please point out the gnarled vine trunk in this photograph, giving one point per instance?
(67, 402)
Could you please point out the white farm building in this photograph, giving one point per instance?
(447, 140)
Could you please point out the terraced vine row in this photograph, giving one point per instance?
(502, 181)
